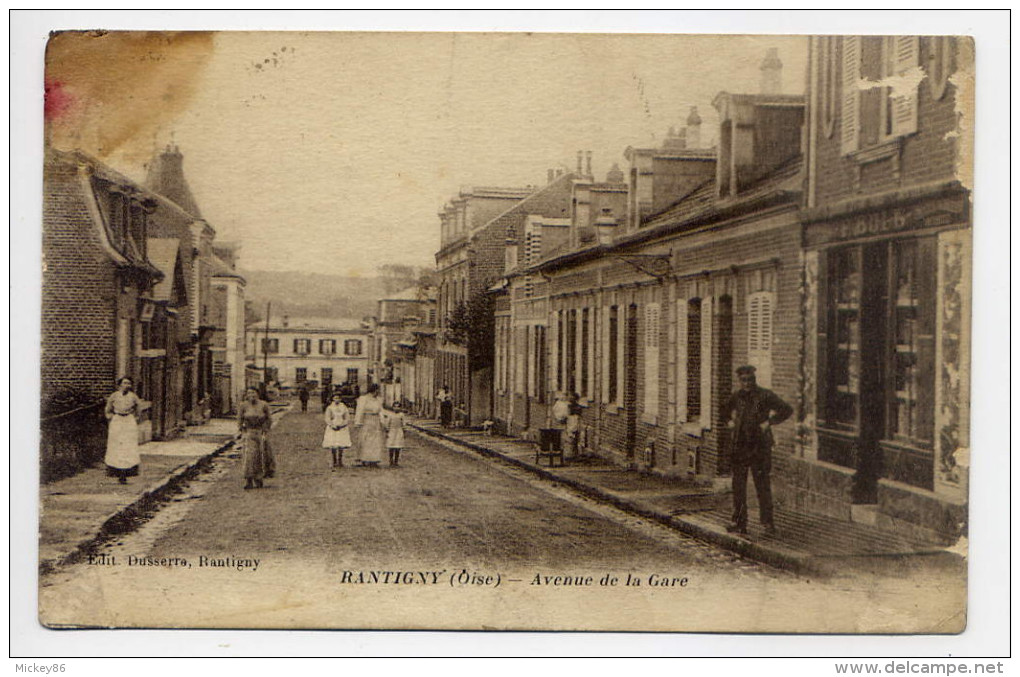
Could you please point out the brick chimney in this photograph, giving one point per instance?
(587, 164)
(694, 128)
(771, 73)
(580, 159)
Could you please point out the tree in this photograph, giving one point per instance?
(473, 325)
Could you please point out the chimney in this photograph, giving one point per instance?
(587, 160)
(580, 156)
(694, 128)
(771, 73)
(551, 175)
(675, 140)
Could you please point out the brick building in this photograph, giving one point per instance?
(393, 343)
(98, 300)
(464, 263)
(522, 395)
(177, 217)
(887, 232)
(650, 315)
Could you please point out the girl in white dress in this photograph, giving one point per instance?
(338, 431)
(122, 409)
(394, 422)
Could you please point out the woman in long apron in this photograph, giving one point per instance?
(368, 423)
(254, 420)
(122, 409)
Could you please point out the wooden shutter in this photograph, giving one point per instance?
(904, 106)
(681, 360)
(706, 362)
(651, 359)
(851, 104)
(604, 361)
(759, 335)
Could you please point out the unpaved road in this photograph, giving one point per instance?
(449, 540)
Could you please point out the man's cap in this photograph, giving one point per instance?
(745, 370)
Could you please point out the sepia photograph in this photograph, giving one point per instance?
(506, 331)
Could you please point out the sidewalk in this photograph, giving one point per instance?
(77, 513)
(805, 543)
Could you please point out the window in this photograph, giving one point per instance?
(898, 112)
(876, 115)
(301, 374)
(302, 346)
(352, 347)
(878, 339)
(271, 345)
(759, 335)
(612, 355)
(327, 376)
(940, 64)
(570, 366)
(352, 375)
(540, 363)
(560, 353)
(845, 355)
(651, 403)
(327, 346)
(693, 360)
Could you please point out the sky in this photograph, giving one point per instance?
(333, 152)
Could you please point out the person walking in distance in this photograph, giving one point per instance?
(303, 396)
(338, 431)
(445, 399)
(393, 420)
(122, 411)
(750, 414)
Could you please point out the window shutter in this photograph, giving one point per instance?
(681, 360)
(759, 335)
(850, 111)
(605, 354)
(651, 359)
(904, 108)
(706, 362)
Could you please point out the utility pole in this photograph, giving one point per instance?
(265, 352)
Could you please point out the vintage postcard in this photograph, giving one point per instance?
(506, 331)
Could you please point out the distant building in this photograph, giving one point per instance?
(228, 339)
(400, 317)
(466, 267)
(299, 351)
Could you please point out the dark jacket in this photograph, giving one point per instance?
(749, 409)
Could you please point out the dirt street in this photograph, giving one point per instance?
(447, 540)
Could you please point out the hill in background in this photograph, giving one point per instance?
(312, 294)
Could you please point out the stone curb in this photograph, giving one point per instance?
(767, 554)
(124, 519)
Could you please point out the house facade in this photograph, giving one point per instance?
(298, 351)
(464, 263)
(887, 238)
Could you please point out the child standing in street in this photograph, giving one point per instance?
(338, 432)
(394, 434)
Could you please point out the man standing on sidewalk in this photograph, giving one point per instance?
(750, 413)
